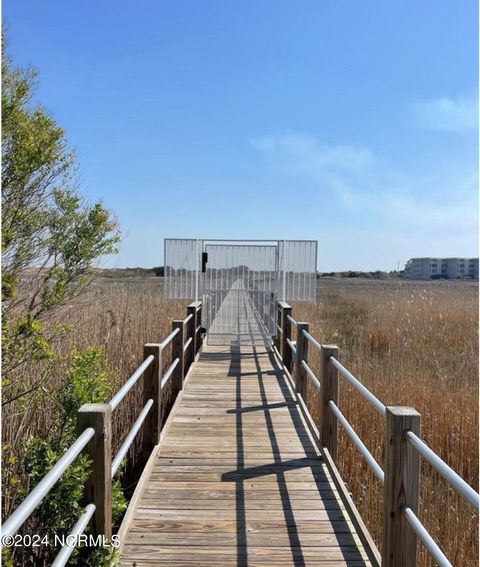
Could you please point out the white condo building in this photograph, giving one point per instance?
(451, 268)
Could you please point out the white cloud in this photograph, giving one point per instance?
(365, 184)
(447, 114)
(332, 167)
(306, 152)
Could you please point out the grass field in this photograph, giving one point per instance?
(411, 343)
(415, 344)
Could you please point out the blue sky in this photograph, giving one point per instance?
(354, 123)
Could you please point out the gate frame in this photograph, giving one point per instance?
(273, 245)
(280, 294)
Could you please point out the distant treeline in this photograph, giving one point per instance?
(376, 275)
(131, 272)
(160, 272)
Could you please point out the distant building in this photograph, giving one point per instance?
(449, 268)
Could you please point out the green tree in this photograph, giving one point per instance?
(51, 238)
(51, 242)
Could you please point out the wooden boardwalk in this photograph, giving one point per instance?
(237, 478)
(237, 322)
(239, 474)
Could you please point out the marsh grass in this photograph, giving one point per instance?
(409, 343)
(414, 344)
(120, 316)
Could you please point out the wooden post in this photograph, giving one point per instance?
(191, 326)
(328, 391)
(199, 324)
(195, 325)
(285, 350)
(151, 390)
(98, 488)
(278, 342)
(177, 352)
(401, 488)
(302, 354)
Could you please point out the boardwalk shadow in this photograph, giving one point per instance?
(280, 468)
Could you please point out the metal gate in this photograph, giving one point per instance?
(240, 283)
(240, 293)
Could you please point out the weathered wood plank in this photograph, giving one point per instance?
(253, 484)
(238, 478)
(255, 539)
(236, 562)
(270, 526)
(270, 498)
(202, 553)
(232, 514)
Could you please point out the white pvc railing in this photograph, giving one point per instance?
(130, 437)
(369, 458)
(11, 526)
(78, 529)
(454, 479)
(427, 540)
(130, 383)
(376, 403)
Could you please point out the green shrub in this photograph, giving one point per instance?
(90, 380)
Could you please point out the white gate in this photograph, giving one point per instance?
(240, 293)
(240, 283)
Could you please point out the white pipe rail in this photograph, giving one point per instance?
(118, 397)
(314, 342)
(187, 318)
(440, 466)
(376, 403)
(425, 537)
(187, 344)
(17, 519)
(168, 338)
(372, 463)
(292, 346)
(64, 554)
(312, 376)
(168, 373)
(292, 320)
(279, 329)
(130, 437)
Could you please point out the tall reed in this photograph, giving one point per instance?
(410, 343)
(415, 344)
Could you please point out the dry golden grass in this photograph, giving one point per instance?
(119, 315)
(410, 344)
(416, 344)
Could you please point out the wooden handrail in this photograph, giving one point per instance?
(286, 334)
